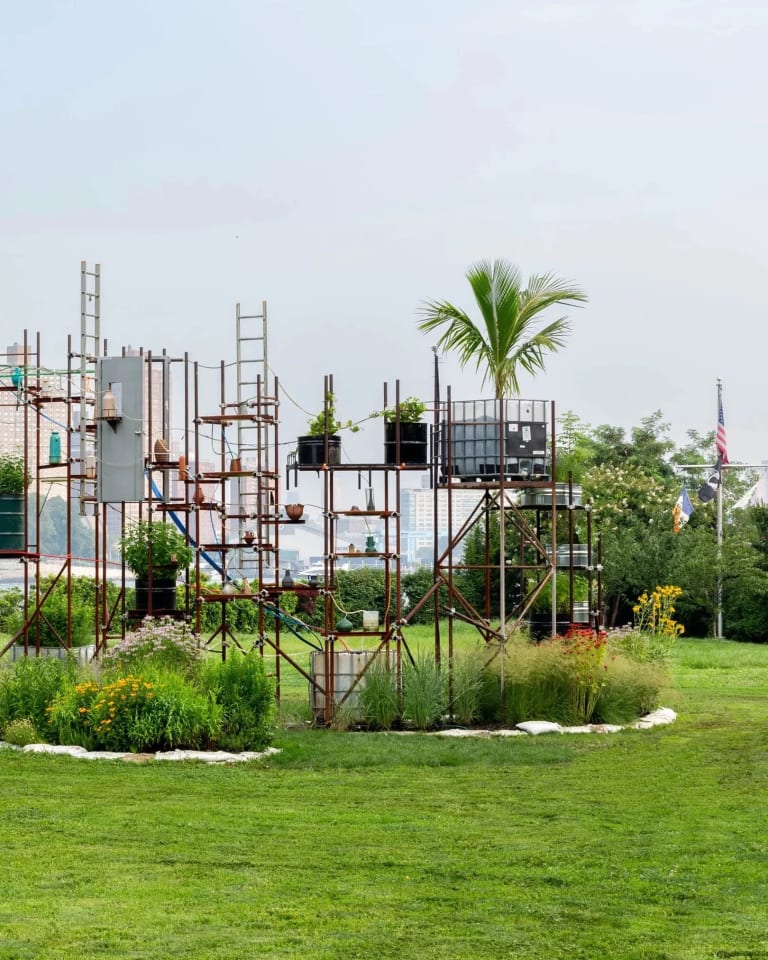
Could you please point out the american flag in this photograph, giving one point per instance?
(721, 444)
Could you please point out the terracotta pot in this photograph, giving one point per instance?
(294, 511)
(162, 454)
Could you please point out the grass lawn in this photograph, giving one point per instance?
(638, 845)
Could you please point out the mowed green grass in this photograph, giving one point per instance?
(636, 845)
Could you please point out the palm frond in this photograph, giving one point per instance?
(506, 340)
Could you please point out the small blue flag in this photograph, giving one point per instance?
(682, 511)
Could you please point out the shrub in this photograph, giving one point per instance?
(56, 612)
(424, 693)
(639, 646)
(245, 694)
(135, 713)
(28, 686)
(21, 732)
(11, 609)
(160, 644)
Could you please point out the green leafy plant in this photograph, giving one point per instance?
(57, 615)
(411, 410)
(28, 686)
(161, 543)
(241, 688)
(326, 421)
(11, 609)
(135, 713)
(21, 732)
(14, 478)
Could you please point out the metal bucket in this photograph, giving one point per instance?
(347, 666)
(579, 552)
(543, 497)
(581, 611)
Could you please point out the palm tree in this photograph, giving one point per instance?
(507, 338)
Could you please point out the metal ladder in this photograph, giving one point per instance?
(90, 334)
(257, 416)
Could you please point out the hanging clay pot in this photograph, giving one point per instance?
(294, 511)
(162, 454)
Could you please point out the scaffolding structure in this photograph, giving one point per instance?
(228, 508)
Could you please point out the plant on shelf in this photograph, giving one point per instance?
(410, 410)
(161, 543)
(404, 423)
(326, 422)
(14, 478)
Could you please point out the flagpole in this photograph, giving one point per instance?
(719, 582)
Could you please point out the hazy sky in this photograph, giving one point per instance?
(345, 160)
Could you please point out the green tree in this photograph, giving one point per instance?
(508, 337)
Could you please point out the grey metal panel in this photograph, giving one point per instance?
(120, 448)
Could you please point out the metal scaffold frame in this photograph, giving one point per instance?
(230, 513)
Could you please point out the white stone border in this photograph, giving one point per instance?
(658, 718)
(206, 756)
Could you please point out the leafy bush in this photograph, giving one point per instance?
(161, 644)
(640, 646)
(21, 732)
(241, 688)
(11, 609)
(135, 713)
(28, 686)
(56, 612)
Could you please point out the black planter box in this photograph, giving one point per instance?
(311, 451)
(162, 594)
(413, 444)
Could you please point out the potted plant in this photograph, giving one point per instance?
(323, 429)
(154, 552)
(405, 434)
(14, 480)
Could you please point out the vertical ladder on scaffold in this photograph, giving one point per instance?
(257, 415)
(90, 333)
